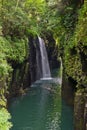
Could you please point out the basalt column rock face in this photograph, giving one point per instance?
(32, 58)
(68, 90)
(20, 79)
(85, 112)
(80, 111)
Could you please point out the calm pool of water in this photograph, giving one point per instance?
(41, 108)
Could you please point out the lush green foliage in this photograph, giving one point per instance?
(4, 117)
(81, 28)
(74, 46)
(11, 51)
(20, 18)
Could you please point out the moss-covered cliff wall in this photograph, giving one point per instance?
(14, 72)
(73, 50)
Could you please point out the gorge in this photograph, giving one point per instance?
(25, 80)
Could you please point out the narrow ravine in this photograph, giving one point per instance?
(36, 37)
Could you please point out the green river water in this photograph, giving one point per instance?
(42, 108)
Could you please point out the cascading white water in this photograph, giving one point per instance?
(44, 60)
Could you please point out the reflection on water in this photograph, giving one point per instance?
(41, 109)
(66, 117)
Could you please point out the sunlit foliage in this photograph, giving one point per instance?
(4, 116)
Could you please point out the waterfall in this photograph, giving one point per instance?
(42, 61)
